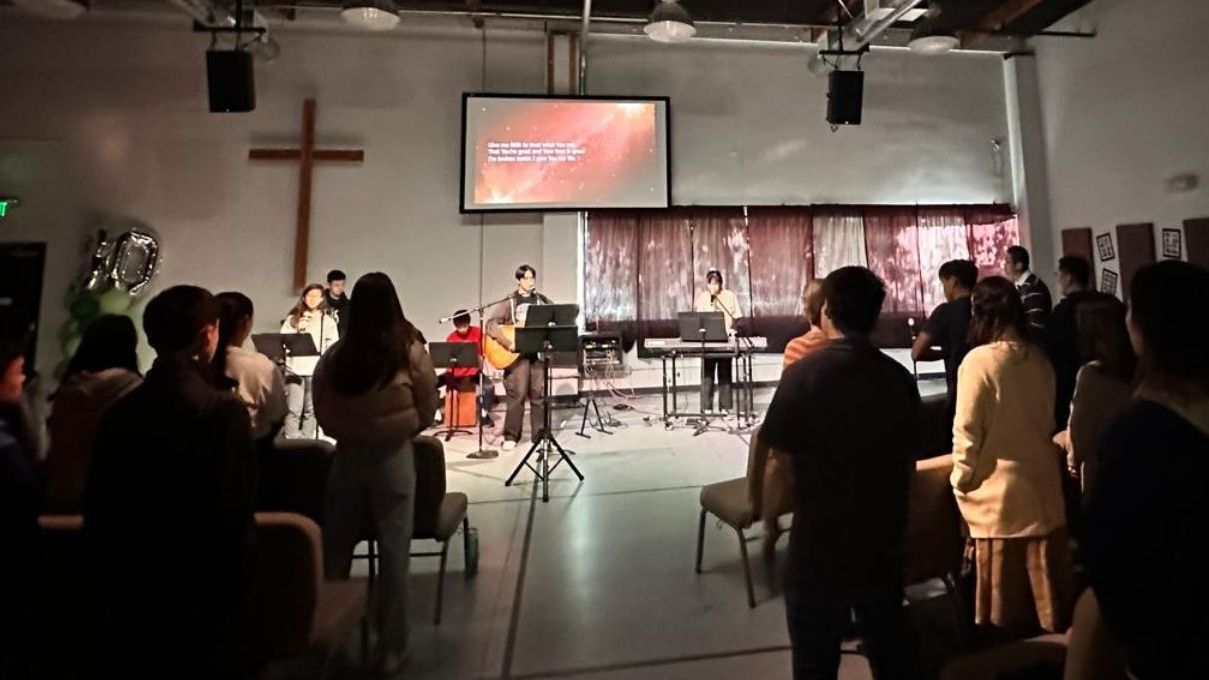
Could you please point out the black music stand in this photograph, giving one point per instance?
(282, 346)
(703, 327)
(547, 329)
(453, 355)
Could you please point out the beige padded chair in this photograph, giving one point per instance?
(294, 614)
(935, 542)
(731, 502)
(1085, 652)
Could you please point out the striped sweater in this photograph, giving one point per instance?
(1037, 306)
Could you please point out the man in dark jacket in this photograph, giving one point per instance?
(337, 299)
(1033, 293)
(1062, 337)
(168, 508)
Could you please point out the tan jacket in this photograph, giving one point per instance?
(1005, 467)
(387, 415)
(1099, 399)
(74, 417)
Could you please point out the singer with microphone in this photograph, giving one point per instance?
(716, 298)
(525, 379)
(310, 315)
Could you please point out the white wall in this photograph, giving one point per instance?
(1124, 112)
(126, 101)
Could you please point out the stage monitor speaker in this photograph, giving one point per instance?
(845, 97)
(231, 81)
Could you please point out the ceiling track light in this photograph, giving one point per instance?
(669, 23)
(371, 15)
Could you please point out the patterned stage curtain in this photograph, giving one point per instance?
(782, 259)
(993, 229)
(665, 251)
(892, 245)
(942, 237)
(839, 239)
(611, 267)
(720, 242)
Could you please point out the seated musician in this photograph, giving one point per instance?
(466, 379)
(717, 299)
(770, 482)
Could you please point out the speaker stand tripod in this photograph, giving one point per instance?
(546, 445)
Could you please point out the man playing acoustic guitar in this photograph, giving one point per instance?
(525, 378)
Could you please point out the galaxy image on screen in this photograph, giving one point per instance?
(551, 152)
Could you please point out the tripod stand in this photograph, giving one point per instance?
(547, 339)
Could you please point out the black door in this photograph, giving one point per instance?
(21, 269)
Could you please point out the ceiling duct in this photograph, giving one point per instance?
(876, 17)
(213, 15)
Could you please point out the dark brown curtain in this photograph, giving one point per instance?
(782, 252)
(665, 271)
(892, 246)
(611, 265)
(719, 237)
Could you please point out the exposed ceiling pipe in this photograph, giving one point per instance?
(209, 13)
(866, 28)
(583, 47)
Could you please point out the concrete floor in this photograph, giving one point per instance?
(599, 582)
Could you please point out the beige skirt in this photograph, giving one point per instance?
(1022, 584)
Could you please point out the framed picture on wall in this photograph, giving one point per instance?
(1173, 244)
(1104, 245)
(1108, 282)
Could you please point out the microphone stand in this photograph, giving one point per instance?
(480, 453)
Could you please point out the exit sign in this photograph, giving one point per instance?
(6, 204)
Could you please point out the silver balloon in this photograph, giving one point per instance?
(97, 275)
(134, 260)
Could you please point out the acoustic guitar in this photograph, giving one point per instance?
(498, 355)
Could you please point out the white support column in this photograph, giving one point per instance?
(1030, 174)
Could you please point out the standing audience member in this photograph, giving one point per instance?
(18, 519)
(1005, 473)
(337, 300)
(770, 481)
(253, 377)
(1034, 294)
(812, 307)
(1103, 388)
(311, 315)
(168, 508)
(949, 324)
(845, 416)
(374, 392)
(1062, 338)
(1148, 512)
(104, 369)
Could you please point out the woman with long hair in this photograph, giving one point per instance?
(253, 377)
(311, 315)
(1103, 386)
(1006, 476)
(1147, 518)
(374, 392)
(104, 369)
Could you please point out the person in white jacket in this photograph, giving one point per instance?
(374, 392)
(311, 315)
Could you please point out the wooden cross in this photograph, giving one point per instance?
(308, 155)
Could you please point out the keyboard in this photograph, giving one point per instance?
(670, 345)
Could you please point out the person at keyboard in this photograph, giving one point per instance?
(716, 298)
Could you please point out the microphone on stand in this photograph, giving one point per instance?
(445, 319)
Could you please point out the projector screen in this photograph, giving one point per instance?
(568, 153)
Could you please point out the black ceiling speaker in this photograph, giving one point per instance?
(231, 81)
(845, 97)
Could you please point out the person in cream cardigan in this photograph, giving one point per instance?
(1006, 472)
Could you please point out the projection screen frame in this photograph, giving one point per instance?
(667, 143)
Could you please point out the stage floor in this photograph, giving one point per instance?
(599, 582)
